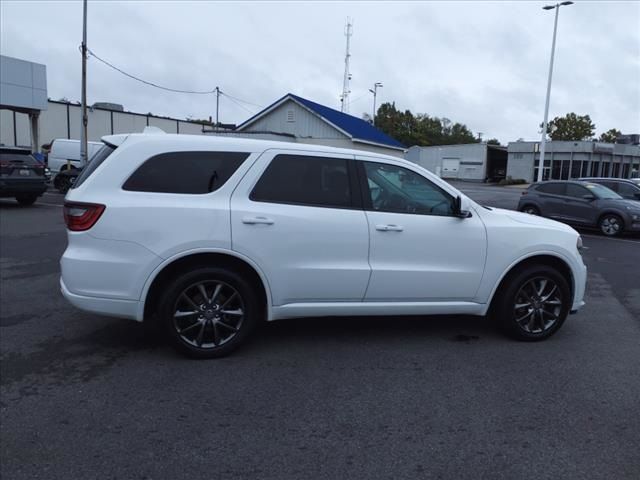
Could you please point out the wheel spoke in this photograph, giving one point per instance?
(216, 292)
(186, 329)
(216, 335)
(237, 312)
(548, 296)
(203, 292)
(226, 325)
(180, 314)
(228, 300)
(201, 333)
(543, 285)
(189, 301)
(518, 306)
(551, 314)
(525, 316)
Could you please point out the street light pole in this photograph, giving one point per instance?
(543, 139)
(375, 94)
(83, 126)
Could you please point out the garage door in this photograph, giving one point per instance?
(450, 167)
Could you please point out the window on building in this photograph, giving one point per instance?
(399, 190)
(305, 180)
(185, 172)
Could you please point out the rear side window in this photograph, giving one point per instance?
(94, 163)
(552, 188)
(185, 172)
(18, 159)
(305, 180)
(576, 191)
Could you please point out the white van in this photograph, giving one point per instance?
(63, 151)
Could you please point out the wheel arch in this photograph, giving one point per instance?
(611, 211)
(548, 259)
(189, 260)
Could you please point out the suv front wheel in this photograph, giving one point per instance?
(209, 312)
(534, 303)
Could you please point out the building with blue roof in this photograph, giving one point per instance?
(297, 119)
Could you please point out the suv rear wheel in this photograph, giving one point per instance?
(530, 209)
(611, 225)
(209, 312)
(534, 304)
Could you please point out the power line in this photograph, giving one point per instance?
(208, 92)
(237, 103)
(242, 101)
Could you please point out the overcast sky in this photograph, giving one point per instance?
(480, 63)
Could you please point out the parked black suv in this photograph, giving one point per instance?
(582, 203)
(629, 189)
(21, 175)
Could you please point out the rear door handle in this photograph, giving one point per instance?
(257, 221)
(389, 228)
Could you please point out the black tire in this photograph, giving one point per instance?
(62, 183)
(530, 209)
(217, 337)
(539, 319)
(26, 200)
(611, 225)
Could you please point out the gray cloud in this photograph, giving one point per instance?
(480, 63)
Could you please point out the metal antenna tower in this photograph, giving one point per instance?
(344, 98)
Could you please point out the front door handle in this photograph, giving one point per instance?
(257, 221)
(389, 228)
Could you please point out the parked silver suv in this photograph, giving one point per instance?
(582, 203)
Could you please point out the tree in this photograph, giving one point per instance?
(610, 136)
(493, 141)
(421, 129)
(571, 127)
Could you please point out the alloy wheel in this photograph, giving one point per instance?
(208, 314)
(610, 225)
(538, 305)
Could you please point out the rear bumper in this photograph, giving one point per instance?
(104, 306)
(11, 188)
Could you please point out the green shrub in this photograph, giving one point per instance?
(512, 181)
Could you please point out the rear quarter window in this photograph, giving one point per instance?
(185, 172)
(95, 162)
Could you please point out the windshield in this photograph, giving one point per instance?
(600, 191)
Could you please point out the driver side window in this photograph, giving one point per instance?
(396, 189)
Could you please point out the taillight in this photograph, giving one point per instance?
(81, 216)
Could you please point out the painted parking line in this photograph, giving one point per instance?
(599, 237)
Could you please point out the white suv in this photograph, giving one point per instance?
(209, 235)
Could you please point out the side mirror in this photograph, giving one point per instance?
(457, 208)
(589, 197)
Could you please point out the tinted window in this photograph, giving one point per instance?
(18, 158)
(100, 156)
(553, 188)
(399, 190)
(576, 191)
(184, 172)
(627, 190)
(303, 180)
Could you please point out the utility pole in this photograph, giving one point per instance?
(375, 94)
(217, 107)
(344, 98)
(83, 127)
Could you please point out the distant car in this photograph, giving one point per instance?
(582, 203)
(64, 161)
(21, 175)
(629, 189)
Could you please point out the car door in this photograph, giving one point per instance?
(580, 206)
(552, 199)
(419, 250)
(298, 216)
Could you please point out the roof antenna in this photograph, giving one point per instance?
(344, 98)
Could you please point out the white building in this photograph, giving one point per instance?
(472, 162)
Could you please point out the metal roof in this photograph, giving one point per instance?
(355, 128)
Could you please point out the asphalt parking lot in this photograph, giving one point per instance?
(83, 396)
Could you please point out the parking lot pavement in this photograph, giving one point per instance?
(83, 396)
